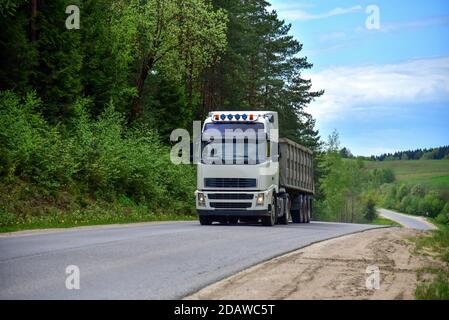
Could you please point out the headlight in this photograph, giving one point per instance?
(201, 199)
(260, 199)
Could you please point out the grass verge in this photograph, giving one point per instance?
(119, 219)
(434, 282)
(384, 222)
(25, 206)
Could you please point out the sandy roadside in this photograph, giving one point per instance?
(332, 269)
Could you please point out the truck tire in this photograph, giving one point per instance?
(271, 219)
(295, 216)
(295, 210)
(285, 217)
(303, 210)
(307, 211)
(205, 220)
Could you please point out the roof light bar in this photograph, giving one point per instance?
(232, 117)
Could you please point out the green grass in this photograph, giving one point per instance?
(437, 287)
(24, 206)
(384, 222)
(116, 220)
(426, 172)
(435, 171)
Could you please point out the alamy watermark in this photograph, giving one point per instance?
(372, 22)
(227, 143)
(72, 282)
(373, 280)
(73, 20)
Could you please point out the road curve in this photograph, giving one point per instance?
(145, 261)
(407, 221)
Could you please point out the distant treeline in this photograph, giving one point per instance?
(423, 154)
(418, 154)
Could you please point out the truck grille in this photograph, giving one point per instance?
(230, 196)
(230, 205)
(230, 182)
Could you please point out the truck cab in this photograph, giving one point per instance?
(238, 170)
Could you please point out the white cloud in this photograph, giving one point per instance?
(304, 15)
(285, 6)
(428, 22)
(373, 90)
(332, 36)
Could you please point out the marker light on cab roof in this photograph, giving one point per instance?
(237, 116)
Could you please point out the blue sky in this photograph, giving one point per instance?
(387, 89)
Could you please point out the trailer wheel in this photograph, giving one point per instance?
(302, 211)
(205, 220)
(271, 219)
(296, 212)
(307, 210)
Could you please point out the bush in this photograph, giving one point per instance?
(132, 162)
(418, 190)
(430, 204)
(99, 158)
(31, 149)
(402, 192)
(442, 218)
(369, 209)
(445, 211)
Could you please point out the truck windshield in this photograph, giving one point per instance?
(233, 143)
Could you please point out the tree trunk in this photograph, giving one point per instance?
(136, 108)
(33, 20)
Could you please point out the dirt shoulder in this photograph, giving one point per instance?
(332, 269)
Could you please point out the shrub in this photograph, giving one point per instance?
(402, 192)
(430, 204)
(418, 190)
(31, 149)
(442, 218)
(445, 210)
(98, 158)
(369, 209)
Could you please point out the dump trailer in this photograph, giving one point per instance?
(247, 173)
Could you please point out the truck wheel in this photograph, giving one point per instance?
(302, 211)
(309, 209)
(271, 219)
(306, 210)
(285, 216)
(205, 220)
(295, 210)
(295, 216)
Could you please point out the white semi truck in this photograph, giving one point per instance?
(245, 172)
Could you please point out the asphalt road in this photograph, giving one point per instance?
(407, 220)
(145, 261)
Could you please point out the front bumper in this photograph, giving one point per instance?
(234, 213)
(233, 203)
